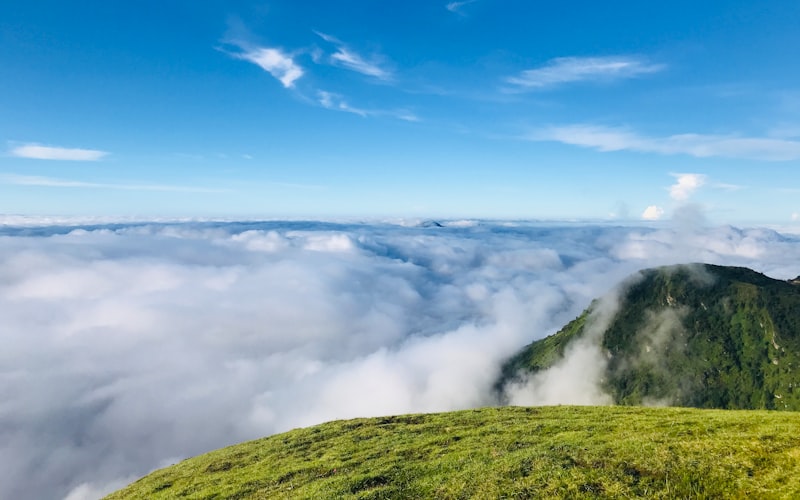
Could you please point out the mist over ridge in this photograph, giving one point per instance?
(130, 346)
(688, 335)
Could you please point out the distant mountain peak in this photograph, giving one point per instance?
(430, 223)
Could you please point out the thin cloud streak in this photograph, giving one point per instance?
(40, 152)
(562, 70)
(608, 139)
(728, 187)
(40, 181)
(455, 7)
(329, 100)
(336, 102)
(349, 59)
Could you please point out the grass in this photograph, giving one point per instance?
(511, 452)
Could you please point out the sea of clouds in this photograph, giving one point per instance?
(129, 346)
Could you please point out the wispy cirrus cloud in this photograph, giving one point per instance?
(347, 58)
(274, 61)
(329, 100)
(455, 7)
(37, 151)
(283, 67)
(41, 181)
(698, 145)
(333, 101)
(785, 131)
(728, 187)
(562, 70)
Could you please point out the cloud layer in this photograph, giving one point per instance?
(130, 346)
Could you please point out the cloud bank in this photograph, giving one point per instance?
(130, 346)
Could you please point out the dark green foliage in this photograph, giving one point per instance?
(695, 335)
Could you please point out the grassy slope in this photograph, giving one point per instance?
(505, 453)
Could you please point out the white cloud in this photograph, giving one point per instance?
(406, 115)
(456, 6)
(577, 378)
(287, 71)
(348, 58)
(40, 152)
(274, 61)
(127, 347)
(91, 491)
(354, 62)
(563, 70)
(336, 102)
(653, 212)
(728, 187)
(702, 146)
(785, 131)
(685, 185)
(35, 180)
(329, 100)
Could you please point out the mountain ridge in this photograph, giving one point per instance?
(695, 335)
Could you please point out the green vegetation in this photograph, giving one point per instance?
(698, 335)
(574, 452)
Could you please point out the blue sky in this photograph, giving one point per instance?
(484, 108)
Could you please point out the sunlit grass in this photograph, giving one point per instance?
(505, 453)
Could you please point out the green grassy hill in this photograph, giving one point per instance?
(698, 335)
(512, 452)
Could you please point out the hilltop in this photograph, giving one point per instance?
(692, 335)
(507, 452)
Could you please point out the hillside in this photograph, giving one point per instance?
(698, 335)
(507, 452)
